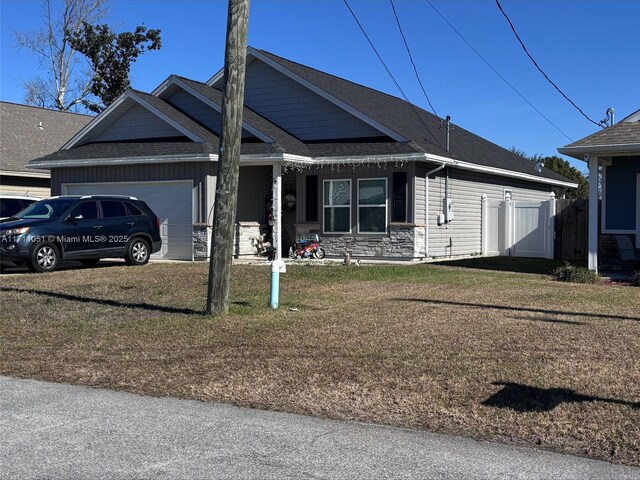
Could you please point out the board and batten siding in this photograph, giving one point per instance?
(463, 235)
(198, 110)
(297, 109)
(619, 205)
(353, 173)
(199, 172)
(136, 123)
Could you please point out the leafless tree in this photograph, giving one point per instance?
(65, 78)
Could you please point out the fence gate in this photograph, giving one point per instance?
(518, 228)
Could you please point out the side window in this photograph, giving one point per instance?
(133, 210)
(337, 206)
(112, 208)
(372, 205)
(9, 207)
(88, 211)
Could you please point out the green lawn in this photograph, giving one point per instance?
(490, 354)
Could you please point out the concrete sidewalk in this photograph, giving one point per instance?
(62, 431)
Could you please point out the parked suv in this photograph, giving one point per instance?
(12, 204)
(84, 228)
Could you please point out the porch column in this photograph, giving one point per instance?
(276, 210)
(593, 212)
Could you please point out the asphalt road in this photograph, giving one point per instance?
(62, 431)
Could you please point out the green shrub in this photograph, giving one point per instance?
(571, 273)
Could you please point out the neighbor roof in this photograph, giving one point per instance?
(623, 137)
(21, 139)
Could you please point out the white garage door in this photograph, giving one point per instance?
(172, 202)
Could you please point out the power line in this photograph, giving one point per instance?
(390, 74)
(498, 73)
(524, 47)
(415, 69)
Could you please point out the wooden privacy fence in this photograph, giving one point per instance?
(571, 230)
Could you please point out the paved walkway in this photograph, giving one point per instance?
(61, 431)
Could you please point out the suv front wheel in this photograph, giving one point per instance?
(44, 257)
(138, 252)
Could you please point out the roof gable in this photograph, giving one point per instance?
(140, 116)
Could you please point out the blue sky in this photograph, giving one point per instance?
(587, 47)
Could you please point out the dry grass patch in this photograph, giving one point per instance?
(489, 354)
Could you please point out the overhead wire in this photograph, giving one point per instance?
(393, 78)
(526, 50)
(496, 71)
(415, 69)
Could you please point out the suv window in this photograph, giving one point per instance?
(133, 210)
(88, 210)
(112, 208)
(9, 207)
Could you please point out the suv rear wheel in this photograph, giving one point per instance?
(44, 257)
(137, 252)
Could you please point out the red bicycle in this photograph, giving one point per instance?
(308, 248)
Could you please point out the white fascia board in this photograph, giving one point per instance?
(95, 162)
(96, 120)
(12, 173)
(411, 157)
(579, 152)
(497, 171)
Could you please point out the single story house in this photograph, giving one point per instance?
(368, 172)
(615, 151)
(28, 132)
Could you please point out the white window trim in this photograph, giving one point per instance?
(324, 230)
(386, 206)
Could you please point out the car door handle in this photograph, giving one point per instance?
(131, 223)
(97, 226)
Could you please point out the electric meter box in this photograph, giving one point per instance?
(447, 208)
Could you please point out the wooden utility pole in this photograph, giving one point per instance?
(224, 216)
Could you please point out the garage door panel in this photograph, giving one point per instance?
(172, 202)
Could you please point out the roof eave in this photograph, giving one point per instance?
(579, 151)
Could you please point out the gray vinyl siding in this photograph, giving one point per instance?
(466, 190)
(136, 123)
(199, 111)
(297, 109)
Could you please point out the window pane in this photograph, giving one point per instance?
(88, 210)
(113, 209)
(336, 219)
(373, 219)
(133, 209)
(372, 192)
(337, 192)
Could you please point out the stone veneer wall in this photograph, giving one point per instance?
(404, 240)
(244, 239)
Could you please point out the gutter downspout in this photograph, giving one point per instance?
(426, 208)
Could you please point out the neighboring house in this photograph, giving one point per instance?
(616, 149)
(365, 170)
(26, 133)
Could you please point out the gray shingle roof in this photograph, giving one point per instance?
(399, 116)
(21, 140)
(623, 133)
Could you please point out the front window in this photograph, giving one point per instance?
(337, 206)
(49, 208)
(372, 205)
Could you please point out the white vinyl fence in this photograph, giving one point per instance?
(518, 228)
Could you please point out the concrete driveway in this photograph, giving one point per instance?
(62, 431)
